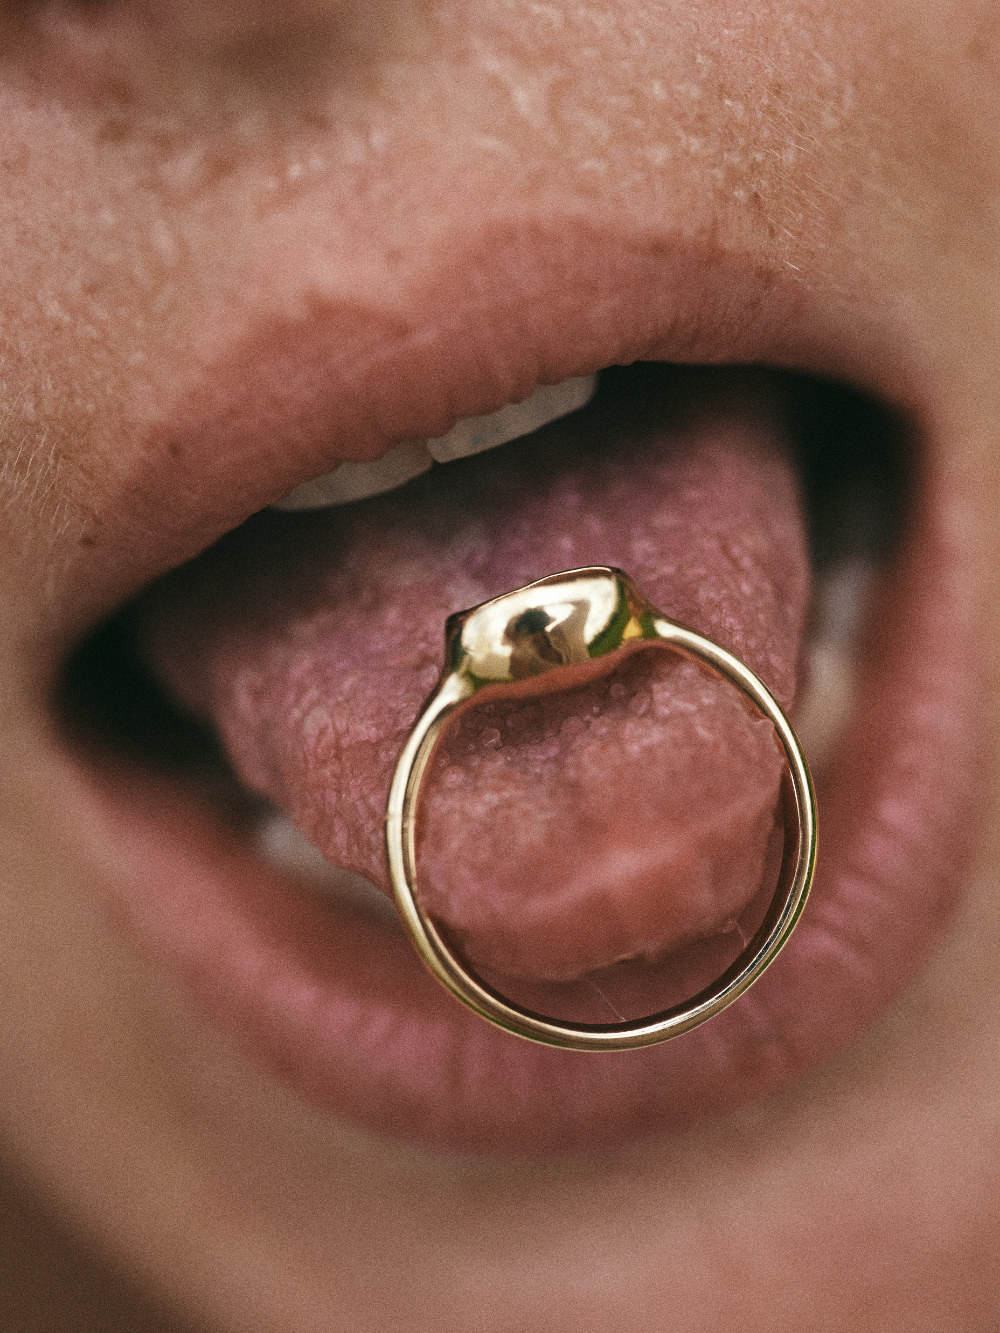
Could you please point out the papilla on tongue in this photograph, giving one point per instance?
(618, 819)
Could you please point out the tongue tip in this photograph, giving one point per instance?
(620, 819)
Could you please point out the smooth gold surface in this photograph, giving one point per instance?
(547, 636)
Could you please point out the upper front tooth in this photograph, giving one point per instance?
(358, 481)
(471, 435)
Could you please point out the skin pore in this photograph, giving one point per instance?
(240, 247)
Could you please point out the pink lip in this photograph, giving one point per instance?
(339, 1007)
(266, 400)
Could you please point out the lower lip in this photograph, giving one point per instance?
(336, 1004)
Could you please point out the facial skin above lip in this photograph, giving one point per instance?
(527, 193)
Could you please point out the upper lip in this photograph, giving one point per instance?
(268, 399)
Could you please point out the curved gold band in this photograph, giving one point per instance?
(545, 637)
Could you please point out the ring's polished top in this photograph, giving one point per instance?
(545, 637)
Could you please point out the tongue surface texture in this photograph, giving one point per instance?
(559, 834)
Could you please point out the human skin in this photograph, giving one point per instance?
(815, 187)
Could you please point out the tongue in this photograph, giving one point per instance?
(619, 819)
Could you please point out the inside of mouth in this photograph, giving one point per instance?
(850, 456)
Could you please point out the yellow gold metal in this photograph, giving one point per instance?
(542, 638)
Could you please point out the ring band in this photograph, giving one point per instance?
(545, 637)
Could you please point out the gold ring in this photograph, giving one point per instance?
(542, 638)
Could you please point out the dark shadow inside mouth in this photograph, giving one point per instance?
(113, 708)
(851, 453)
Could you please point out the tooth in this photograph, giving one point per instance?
(471, 435)
(828, 700)
(474, 435)
(842, 593)
(358, 481)
(284, 847)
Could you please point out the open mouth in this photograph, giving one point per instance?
(239, 722)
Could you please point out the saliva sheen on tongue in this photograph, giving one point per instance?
(470, 435)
